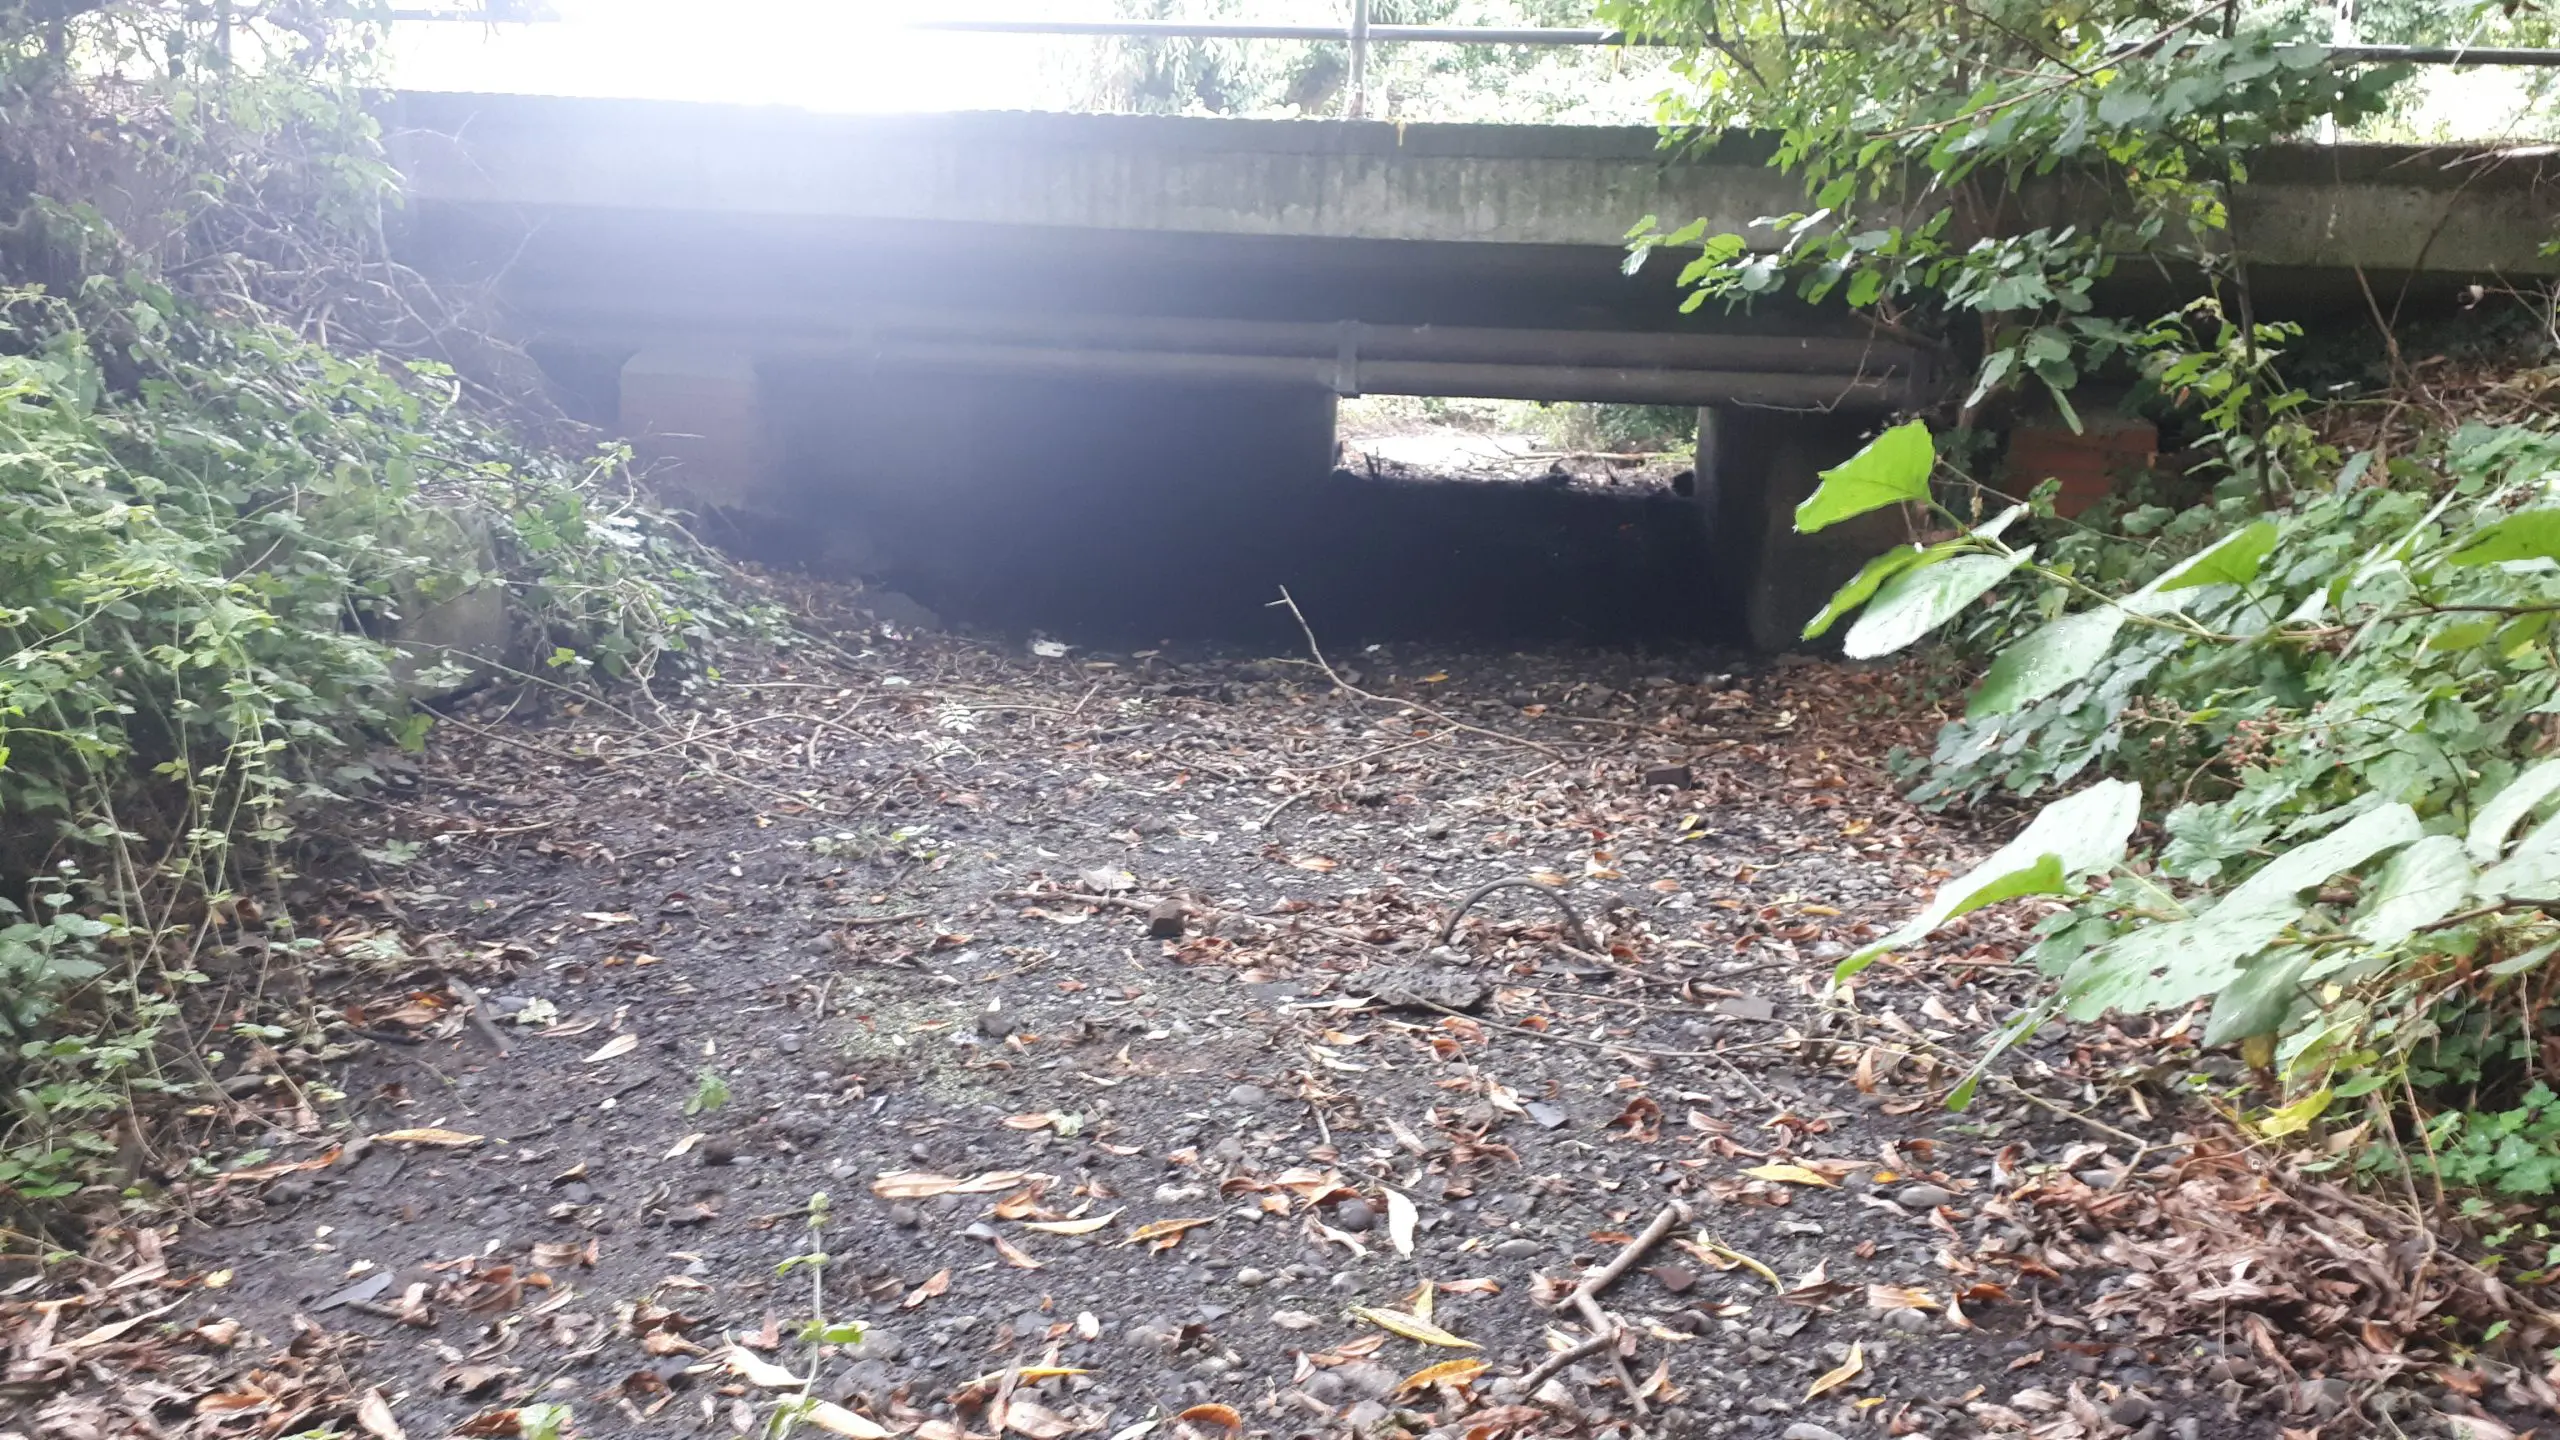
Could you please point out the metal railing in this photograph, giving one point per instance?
(1360, 33)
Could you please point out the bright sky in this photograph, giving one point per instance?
(819, 54)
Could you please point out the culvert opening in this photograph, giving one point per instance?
(1105, 516)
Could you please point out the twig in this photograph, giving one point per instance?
(1140, 903)
(1605, 1328)
(1449, 927)
(869, 922)
(1321, 663)
(478, 1013)
(1547, 1368)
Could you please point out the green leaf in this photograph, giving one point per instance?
(2525, 535)
(1915, 602)
(2069, 838)
(1863, 584)
(2531, 870)
(2165, 966)
(2052, 658)
(2421, 885)
(1893, 468)
(2233, 560)
(2500, 812)
(2257, 1003)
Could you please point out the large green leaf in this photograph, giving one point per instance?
(2525, 535)
(2421, 885)
(2056, 656)
(2232, 560)
(1863, 584)
(2531, 870)
(2165, 966)
(2257, 1002)
(1916, 602)
(2071, 837)
(1893, 468)
(2499, 814)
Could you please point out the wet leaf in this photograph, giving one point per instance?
(1847, 1371)
(1396, 1322)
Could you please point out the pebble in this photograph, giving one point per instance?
(2130, 1411)
(718, 1150)
(1547, 1116)
(886, 1346)
(1923, 1197)
(1294, 1320)
(1807, 1430)
(1909, 1322)
(1520, 1248)
(1672, 1278)
(1248, 1097)
(1355, 1216)
(1251, 1279)
(905, 1217)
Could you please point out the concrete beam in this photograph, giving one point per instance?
(2382, 208)
(699, 415)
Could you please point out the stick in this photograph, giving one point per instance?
(1548, 1367)
(1673, 1214)
(1449, 927)
(1350, 689)
(479, 1014)
(1605, 1327)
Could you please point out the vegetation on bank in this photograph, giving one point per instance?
(240, 449)
(2291, 705)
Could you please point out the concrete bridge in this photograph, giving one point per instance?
(805, 312)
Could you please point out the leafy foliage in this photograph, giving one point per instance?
(212, 528)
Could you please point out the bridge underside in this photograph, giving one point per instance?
(866, 342)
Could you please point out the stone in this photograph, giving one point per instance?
(718, 1150)
(1370, 1379)
(2325, 1396)
(1675, 776)
(1673, 1278)
(1248, 1097)
(886, 1346)
(1365, 1416)
(995, 1022)
(1251, 1279)
(1923, 1197)
(1519, 1248)
(1547, 1116)
(1909, 1322)
(905, 1217)
(1748, 1007)
(1294, 1320)
(2130, 1411)
(1807, 1430)
(1355, 1216)
(1165, 921)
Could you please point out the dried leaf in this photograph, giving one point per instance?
(921, 1185)
(1031, 1418)
(747, 1365)
(1401, 1220)
(1447, 1372)
(1899, 1297)
(1411, 1328)
(615, 1048)
(1014, 1255)
(374, 1414)
(837, 1420)
(939, 1284)
(1847, 1371)
(1314, 862)
(1220, 1415)
(1791, 1175)
(428, 1136)
(1085, 1226)
(1165, 1232)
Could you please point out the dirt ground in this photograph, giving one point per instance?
(1110, 1025)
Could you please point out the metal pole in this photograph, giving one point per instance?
(1359, 102)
